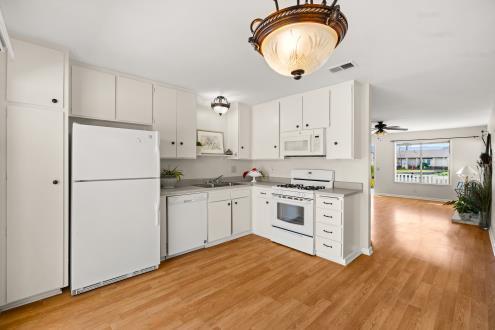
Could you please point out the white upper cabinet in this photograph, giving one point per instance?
(340, 135)
(92, 93)
(134, 101)
(186, 125)
(316, 109)
(36, 75)
(238, 137)
(165, 120)
(265, 140)
(291, 113)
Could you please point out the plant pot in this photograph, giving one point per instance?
(485, 220)
(168, 182)
(466, 216)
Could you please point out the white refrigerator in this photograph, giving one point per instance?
(115, 200)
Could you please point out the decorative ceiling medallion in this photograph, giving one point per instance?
(298, 40)
(220, 105)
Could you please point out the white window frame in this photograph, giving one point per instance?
(421, 142)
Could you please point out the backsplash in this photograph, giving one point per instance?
(207, 167)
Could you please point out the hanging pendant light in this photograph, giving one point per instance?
(298, 40)
(220, 105)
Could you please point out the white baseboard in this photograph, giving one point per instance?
(367, 251)
(30, 300)
(492, 238)
(413, 197)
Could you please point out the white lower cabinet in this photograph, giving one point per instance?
(163, 227)
(219, 220)
(262, 212)
(337, 228)
(241, 215)
(35, 202)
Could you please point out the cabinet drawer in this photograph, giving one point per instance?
(328, 249)
(331, 217)
(218, 195)
(239, 193)
(328, 231)
(263, 193)
(330, 203)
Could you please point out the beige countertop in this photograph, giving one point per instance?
(338, 192)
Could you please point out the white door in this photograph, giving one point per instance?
(241, 215)
(244, 122)
(134, 101)
(115, 229)
(165, 120)
(36, 75)
(219, 220)
(186, 125)
(291, 113)
(340, 135)
(316, 105)
(35, 202)
(262, 217)
(92, 93)
(100, 153)
(163, 226)
(266, 131)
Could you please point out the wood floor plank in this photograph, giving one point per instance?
(425, 273)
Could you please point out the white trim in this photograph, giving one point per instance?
(492, 238)
(30, 299)
(412, 197)
(227, 239)
(4, 35)
(367, 251)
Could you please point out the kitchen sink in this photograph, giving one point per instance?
(217, 185)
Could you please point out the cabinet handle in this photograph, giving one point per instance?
(275, 147)
(55, 181)
(267, 202)
(242, 147)
(327, 216)
(235, 203)
(297, 126)
(228, 204)
(328, 246)
(335, 143)
(327, 203)
(182, 143)
(54, 101)
(307, 125)
(328, 232)
(173, 142)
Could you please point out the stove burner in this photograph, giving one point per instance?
(300, 187)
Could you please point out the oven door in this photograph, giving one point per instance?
(293, 214)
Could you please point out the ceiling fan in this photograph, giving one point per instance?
(380, 129)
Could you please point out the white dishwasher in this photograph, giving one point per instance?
(187, 223)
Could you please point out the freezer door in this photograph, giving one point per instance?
(115, 229)
(105, 153)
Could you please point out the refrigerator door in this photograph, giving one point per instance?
(115, 230)
(105, 153)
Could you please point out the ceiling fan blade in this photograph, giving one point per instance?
(396, 128)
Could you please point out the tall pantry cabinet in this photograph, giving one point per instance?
(35, 247)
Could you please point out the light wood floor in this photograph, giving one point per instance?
(426, 273)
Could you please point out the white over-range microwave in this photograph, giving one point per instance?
(304, 143)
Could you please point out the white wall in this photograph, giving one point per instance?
(463, 152)
(491, 129)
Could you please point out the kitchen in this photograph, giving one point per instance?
(98, 212)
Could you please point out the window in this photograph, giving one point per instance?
(426, 163)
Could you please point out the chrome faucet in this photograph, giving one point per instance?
(216, 180)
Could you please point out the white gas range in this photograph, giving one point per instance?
(293, 220)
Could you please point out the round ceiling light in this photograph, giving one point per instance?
(220, 105)
(298, 40)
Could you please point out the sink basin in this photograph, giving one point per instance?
(216, 185)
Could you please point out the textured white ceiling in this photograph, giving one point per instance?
(431, 63)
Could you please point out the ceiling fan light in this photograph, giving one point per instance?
(220, 105)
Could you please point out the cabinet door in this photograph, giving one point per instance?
(92, 93)
(36, 75)
(340, 135)
(219, 220)
(262, 217)
(232, 133)
(316, 109)
(265, 131)
(244, 131)
(134, 101)
(163, 226)
(241, 215)
(186, 125)
(165, 120)
(291, 113)
(35, 202)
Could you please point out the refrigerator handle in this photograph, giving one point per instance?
(157, 215)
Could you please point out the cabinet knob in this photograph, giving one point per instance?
(228, 204)
(275, 147)
(54, 101)
(235, 203)
(182, 143)
(173, 142)
(242, 147)
(297, 126)
(267, 202)
(335, 143)
(55, 181)
(307, 125)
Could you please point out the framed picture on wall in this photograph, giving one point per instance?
(212, 142)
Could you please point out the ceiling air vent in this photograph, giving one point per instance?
(342, 67)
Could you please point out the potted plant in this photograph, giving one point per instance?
(199, 148)
(170, 177)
